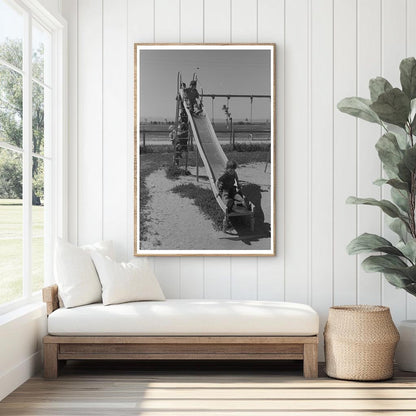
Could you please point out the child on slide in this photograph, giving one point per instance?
(229, 188)
(191, 96)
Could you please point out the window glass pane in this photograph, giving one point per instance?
(38, 229)
(11, 34)
(11, 106)
(39, 118)
(11, 226)
(41, 46)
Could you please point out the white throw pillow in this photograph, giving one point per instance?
(104, 247)
(75, 273)
(126, 282)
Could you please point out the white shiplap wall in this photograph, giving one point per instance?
(326, 50)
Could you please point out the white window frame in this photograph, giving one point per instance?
(58, 211)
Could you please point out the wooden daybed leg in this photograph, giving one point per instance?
(310, 360)
(50, 360)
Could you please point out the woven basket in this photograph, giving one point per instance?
(360, 342)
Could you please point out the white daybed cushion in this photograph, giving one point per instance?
(187, 317)
(126, 282)
(75, 273)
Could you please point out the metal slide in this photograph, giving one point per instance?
(211, 153)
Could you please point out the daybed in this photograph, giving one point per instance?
(181, 329)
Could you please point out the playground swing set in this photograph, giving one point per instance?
(194, 126)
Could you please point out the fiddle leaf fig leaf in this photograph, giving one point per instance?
(398, 184)
(392, 107)
(400, 228)
(381, 263)
(389, 151)
(397, 280)
(408, 249)
(359, 107)
(378, 86)
(366, 243)
(402, 139)
(404, 173)
(412, 109)
(380, 182)
(400, 198)
(395, 270)
(408, 77)
(388, 207)
(410, 158)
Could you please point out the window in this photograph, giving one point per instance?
(31, 137)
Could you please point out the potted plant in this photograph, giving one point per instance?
(394, 109)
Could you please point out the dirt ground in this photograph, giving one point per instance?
(175, 223)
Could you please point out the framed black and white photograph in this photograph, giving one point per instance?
(204, 149)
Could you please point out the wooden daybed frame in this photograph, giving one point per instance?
(58, 349)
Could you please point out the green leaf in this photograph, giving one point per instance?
(395, 183)
(392, 107)
(397, 280)
(380, 182)
(410, 158)
(389, 151)
(412, 109)
(404, 173)
(378, 86)
(400, 198)
(366, 243)
(411, 289)
(401, 137)
(395, 270)
(410, 272)
(381, 263)
(408, 77)
(398, 184)
(400, 228)
(359, 107)
(388, 207)
(408, 249)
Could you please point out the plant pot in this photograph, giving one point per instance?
(406, 350)
(360, 341)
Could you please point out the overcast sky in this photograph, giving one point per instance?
(220, 71)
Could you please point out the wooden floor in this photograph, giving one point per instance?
(223, 389)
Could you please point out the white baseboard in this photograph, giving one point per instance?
(11, 379)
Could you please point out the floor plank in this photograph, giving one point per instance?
(226, 389)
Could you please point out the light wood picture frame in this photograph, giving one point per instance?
(204, 144)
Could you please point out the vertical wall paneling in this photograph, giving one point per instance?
(321, 150)
(90, 128)
(140, 22)
(167, 19)
(192, 30)
(244, 29)
(345, 151)
(244, 278)
(192, 278)
(114, 124)
(369, 168)
(393, 51)
(168, 275)
(192, 21)
(296, 152)
(217, 20)
(217, 29)
(244, 21)
(217, 278)
(70, 11)
(167, 29)
(271, 28)
(411, 51)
